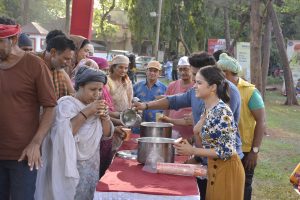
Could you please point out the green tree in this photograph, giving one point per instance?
(102, 23)
(180, 22)
(38, 10)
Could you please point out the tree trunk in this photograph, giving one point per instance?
(266, 45)
(25, 11)
(68, 17)
(244, 20)
(288, 78)
(181, 38)
(226, 27)
(255, 49)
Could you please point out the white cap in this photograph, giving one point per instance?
(183, 61)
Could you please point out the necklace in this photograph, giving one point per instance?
(210, 107)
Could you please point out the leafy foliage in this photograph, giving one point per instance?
(290, 19)
(197, 20)
(108, 28)
(176, 14)
(39, 10)
(10, 8)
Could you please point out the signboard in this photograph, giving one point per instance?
(215, 45)
(160, 56)
(243, 57)
(293, 53)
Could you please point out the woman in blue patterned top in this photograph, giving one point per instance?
(216, 131)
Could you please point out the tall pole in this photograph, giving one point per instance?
(158, 29)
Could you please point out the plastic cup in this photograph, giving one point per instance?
(158, 116)
(128, 133)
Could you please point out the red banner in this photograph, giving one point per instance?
(215, 45)
(82, 17)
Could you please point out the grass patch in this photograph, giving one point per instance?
(280, 116)
(280, 151)
(274, 80)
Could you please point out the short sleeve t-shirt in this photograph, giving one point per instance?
(177, 88)
(23, 88)
(256, 102)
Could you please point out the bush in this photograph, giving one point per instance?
(274, 80)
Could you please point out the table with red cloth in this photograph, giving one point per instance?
(125, 179)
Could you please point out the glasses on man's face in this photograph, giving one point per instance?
(183, 69)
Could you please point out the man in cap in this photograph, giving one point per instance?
(150, 89)
(252, 120)
(180, 117)
(25, 86)
(25, 42)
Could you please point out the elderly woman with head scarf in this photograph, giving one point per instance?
(119, 84)
(71, 150)
(97, 63)
(106, 145)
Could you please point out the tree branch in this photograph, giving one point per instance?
(104, 16)
(180, 31)
(244, 20)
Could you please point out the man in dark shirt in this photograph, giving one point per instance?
(25, 86)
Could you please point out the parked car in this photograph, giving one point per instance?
(113, 53)
(141, 63)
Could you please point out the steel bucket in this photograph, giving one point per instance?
(156, 129)
(130, 118)
(156, 148)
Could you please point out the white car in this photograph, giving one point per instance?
(141, 63)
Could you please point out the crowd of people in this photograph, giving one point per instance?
(60, 122)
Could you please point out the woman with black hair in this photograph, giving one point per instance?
(217, 132)
(81, 52)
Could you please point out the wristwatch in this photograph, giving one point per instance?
(255, 149)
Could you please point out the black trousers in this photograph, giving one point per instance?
(202, 187)
(174, 75)
(248, 180)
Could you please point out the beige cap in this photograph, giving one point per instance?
(120, 59)
(154, 64)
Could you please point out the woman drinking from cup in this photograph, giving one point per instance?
(71, 149)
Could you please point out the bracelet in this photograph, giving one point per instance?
(83, 115)
(147, 107)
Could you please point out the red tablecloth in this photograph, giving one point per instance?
(127, 176)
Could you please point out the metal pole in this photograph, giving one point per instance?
(158, 29)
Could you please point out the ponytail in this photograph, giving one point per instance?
(214, 75)
(223, 91)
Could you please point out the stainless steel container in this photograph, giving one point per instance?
(155, 148)
(130, 118)
(156, 129)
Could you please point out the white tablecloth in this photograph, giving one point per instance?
(138, 196)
